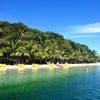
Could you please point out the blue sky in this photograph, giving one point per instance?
(78, 20)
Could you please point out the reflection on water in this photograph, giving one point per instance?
(2, 71)
(87, 69)
(50, 84)
(21, 69)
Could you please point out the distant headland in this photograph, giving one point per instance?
(22, 44)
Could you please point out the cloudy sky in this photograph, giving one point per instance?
(78, 20)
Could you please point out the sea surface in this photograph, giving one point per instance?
(79, 83)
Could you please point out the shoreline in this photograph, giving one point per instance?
(55, 65)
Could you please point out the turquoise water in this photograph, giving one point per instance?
(54, 84)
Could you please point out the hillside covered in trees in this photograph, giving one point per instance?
(21, 44)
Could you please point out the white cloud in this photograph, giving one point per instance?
(80, 36)
(88, 28)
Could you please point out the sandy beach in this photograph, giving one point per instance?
(55, 65)
(84, 64)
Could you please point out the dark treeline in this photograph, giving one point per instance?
(98, 58)
(21, 44)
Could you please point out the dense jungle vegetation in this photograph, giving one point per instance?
(22, 44)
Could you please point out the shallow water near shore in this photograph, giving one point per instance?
(79, 83)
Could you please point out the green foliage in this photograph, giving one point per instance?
(35, 65)
(21, 44)
(2, 65)
(21, 65)
(52, 65)
(98, 58)
(66, 65)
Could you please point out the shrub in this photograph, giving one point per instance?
(35, 65)
(2, 65)
(21, 65)
(52, 65)
(66, 65)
